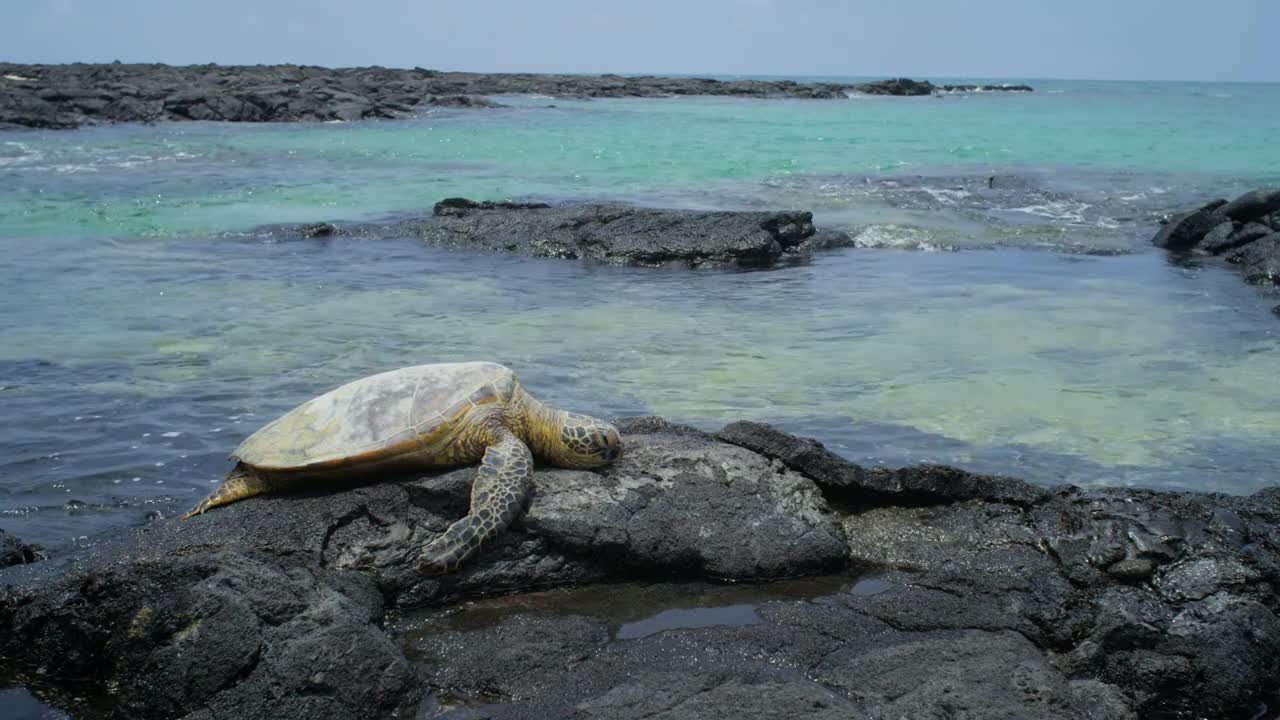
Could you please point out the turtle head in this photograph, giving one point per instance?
(584, 442)
(565, 439)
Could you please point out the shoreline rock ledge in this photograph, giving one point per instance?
(606, 233)
(996, 599)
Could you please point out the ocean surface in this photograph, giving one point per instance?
(1003, 312)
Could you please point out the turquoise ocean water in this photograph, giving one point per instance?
(1003, 311)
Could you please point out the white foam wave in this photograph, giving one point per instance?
(1069, 210)
(35, 161)
(946, 196)
(897, 236)
(71, 169)
(21, 154)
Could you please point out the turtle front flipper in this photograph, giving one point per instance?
(501, 488)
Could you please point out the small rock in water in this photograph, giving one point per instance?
(318, 230)
(15, 552)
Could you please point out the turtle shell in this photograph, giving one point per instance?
(377, 418)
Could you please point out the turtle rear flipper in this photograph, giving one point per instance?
(240, 483)
(498, 496)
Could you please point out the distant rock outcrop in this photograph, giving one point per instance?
(909, 87)
(68, 96)
(615, 234)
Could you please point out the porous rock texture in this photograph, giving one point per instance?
(998, 598)
(613, 234)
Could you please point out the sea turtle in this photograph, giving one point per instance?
(418, 417)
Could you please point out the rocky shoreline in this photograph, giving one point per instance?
(72, 95)
(1244, 231)
(991, 598)
(605, 233)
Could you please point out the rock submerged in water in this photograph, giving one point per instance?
(614, 234)
(996, 598)
(462, 101)
(14, 552)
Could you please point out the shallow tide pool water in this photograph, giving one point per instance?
(1003, 314)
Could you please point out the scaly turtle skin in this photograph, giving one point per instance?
(426, 416)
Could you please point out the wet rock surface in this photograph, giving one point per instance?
(67, 96)
(832, 656)
(1184, 232)
(1245, 231)
(993, 598)
(614, 234)
(1259, 260)
(15, 552)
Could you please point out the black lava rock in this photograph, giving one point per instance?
(14, 552)
(67, 96)
(1253, 205)
(1185, 231)
(1259, 260)
(994, 598)
(614, 234)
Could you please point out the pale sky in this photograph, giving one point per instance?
(1098, 39)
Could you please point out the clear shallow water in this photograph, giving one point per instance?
(145, 333)
(20, 704)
